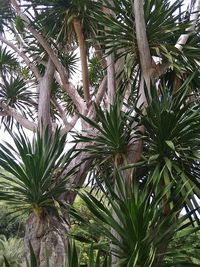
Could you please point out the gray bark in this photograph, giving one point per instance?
(142, 42)
(46, 234)
(44, 117)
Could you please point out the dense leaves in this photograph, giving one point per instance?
(144, 159)
(34, 179)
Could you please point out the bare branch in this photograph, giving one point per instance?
(79, 103)
(111, 83)
(18, 117)
(60, 110)
(78, 27)
(111, 79)
(101, 90)
(70, 124)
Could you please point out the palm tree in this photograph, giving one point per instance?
(33, 184)
(145, 233)
(153, 46)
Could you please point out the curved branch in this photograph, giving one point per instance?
(68, 125)
(69, 88)
(18, 117)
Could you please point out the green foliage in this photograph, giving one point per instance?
(19, 24)
(171, 143)
(11, 249)
(137, 218)
(95, 71)
(83, 233)
(34, 177)
(14, 93)
(72, 259)
(55, 13)
(7, 60)
(9, 226)
(113, 131)
(189, 245)
(166, 179)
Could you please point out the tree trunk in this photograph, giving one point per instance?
(44, 116)
(78, 27)
(47, 235)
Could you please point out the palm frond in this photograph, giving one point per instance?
(34, 179)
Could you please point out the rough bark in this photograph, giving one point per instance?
(46, 234)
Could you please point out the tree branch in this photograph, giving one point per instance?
(23, 56)
(142, 41)
(70, 125)
(101, 90)
(60, 110)
(70, 87)
(44, 116)
(110, 63)
(72, 92)
(111, 79)
(184, 37)
(83, 57)
(162, 68)
(18, 117)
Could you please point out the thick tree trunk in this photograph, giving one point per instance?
(47, 234)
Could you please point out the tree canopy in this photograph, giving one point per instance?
(121, 80)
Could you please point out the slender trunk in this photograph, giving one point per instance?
(44, 117)
(83, 57)
(111, 79)
(47, 235)
(111, 84)
(116, 258)
(142, 42)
